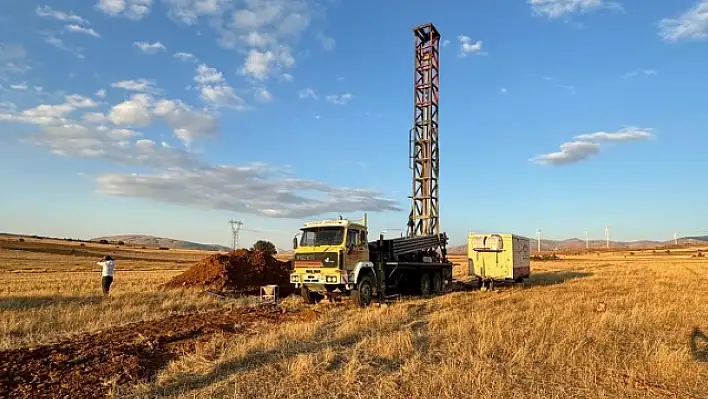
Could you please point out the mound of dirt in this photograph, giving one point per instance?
(240, 271)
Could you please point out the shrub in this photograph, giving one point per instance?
(266, 246)
(21, 240)
(104, 241)
(164, 248)
(121, 243)
(82, 245)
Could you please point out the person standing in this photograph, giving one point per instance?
(109, 267)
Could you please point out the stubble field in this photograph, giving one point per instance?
(614, 324)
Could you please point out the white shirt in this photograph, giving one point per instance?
(109, 267)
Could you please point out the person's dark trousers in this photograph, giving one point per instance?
(106, 284)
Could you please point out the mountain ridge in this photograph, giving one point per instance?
(161, 242)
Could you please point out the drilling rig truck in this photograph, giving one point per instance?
(336, 255)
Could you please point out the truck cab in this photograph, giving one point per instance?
(329, 255)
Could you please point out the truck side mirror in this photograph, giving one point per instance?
(295, 243)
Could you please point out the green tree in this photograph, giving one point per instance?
(265, 246)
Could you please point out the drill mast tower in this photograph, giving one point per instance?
(423, 137)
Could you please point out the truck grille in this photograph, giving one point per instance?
(316, 259)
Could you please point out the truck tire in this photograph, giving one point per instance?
(364, 291)
(425, 284)
(437, 282)
(306, 295)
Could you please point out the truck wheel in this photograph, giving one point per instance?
(364, 291)
(306, 295)
(424, 284)
(437, 282)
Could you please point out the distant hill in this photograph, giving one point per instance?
(150, 241)
(578, 244)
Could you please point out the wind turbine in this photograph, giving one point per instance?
(587, 243)
(607, 236)
(538, 239)
(676, 238)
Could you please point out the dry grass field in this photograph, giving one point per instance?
(609, 325)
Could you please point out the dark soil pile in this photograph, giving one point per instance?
(243, 271)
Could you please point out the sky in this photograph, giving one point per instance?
(172, 117)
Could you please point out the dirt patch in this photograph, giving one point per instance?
(243, 271)
(89, 365)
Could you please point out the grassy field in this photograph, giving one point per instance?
(47, 293)
(615, 325)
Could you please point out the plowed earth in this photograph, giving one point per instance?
(88, 365)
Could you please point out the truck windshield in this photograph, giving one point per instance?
(322, 236)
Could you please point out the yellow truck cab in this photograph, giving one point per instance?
(329, 255)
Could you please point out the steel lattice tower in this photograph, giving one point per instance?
(423, 138)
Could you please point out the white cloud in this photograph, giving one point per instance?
(446, 43)
(261, 64)
(49, 12)
(267, 29)
(261, 94)
(307, 93)
(150, 48)
(100, 93)
(48, 114)
(189, 11)
(123, 146)
(467, 47)
(131, 9)
(569, 153)
(214, 89)
(256, 189)
(286, 77)
(339, 99)
(81, 29)
(187, 123)
(132, 112)
(554, 9)
(504, 90)
(328, 43)
(642, 72)
(140, 110)
(587, 145)
(139, 85)
(691, 24)
(187, 57)
(21, 87)
(59, 44)
(629, 133)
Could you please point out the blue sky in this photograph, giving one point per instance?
(170, 117)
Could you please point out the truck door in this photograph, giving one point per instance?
(363, 247)
(352, 249)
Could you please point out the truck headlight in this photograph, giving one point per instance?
(332, 279)
(294, 278)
